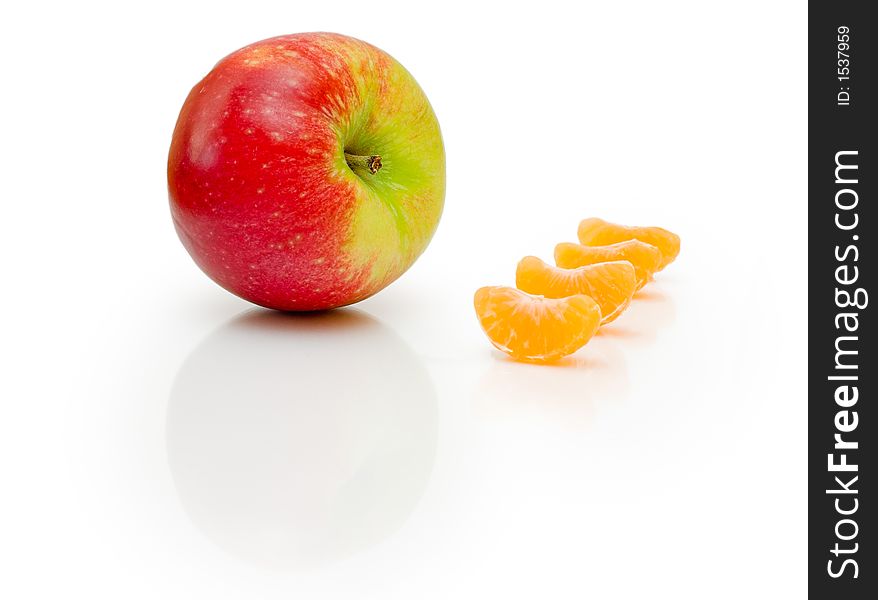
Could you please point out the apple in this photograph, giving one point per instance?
(306, 172)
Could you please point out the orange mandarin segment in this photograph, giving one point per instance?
(597, 232)
(610, 284)
(533, 328)
(645, 258)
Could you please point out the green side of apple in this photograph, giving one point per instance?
(399, 206)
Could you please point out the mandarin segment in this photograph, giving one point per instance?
(644, 257)
(597, 232)
(533, 328)
(610, 284)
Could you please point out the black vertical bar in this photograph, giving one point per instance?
(842, 117)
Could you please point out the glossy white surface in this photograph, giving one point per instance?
(160, 438)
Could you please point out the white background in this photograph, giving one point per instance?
(160, 439)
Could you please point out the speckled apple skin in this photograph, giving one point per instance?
(261, 194)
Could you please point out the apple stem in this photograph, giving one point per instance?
(372, 163)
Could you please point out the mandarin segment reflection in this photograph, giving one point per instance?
(566, 393)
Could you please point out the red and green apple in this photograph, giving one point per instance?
(306, 172)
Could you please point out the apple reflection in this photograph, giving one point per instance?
(298, 440)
